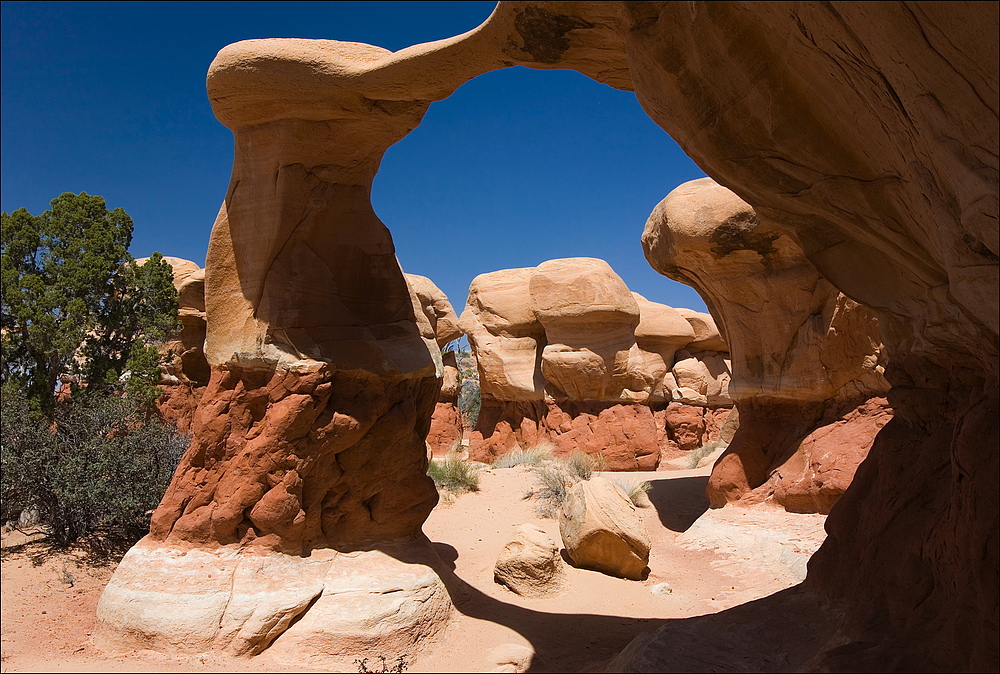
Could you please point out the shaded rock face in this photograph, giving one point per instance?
(567, 355)
(865, 131)
(184, 378)
(804, 356)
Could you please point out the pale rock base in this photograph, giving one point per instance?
(325, 609)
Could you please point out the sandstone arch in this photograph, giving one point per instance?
(866, 131)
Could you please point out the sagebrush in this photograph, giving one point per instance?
(530, 456)
(98, 464)
(636, 491)
(695, 456)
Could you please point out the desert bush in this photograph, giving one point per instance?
(636, 491)
(99, 464)
(531, 456)
(695, 456)
(454, 474)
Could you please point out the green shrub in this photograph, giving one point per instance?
(636, 491)
(99, 465)
(454, 474)
(532, 456)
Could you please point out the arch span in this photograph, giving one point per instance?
(867, 131)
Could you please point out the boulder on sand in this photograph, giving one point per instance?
(530, 563)
(601, 530)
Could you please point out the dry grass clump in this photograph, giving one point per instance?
(453, 474)
(557, 476)
(583, 466)
(696, 455)
(531, 456)
(636, 491)
(554, 482)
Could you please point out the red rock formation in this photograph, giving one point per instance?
(447, 426)
(569, 357)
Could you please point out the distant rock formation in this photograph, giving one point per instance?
(446, 429)
(807, 362)
(568, 355)
(185, 377)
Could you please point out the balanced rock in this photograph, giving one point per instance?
(530, 563)
(589, 317)
(803, 356)
(567, 355)
(602, 531)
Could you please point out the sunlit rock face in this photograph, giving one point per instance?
(569, 357)
(445, 434)
(866, 132)
(807, 362)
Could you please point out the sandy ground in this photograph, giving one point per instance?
(712, 560)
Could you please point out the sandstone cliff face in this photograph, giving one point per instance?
(568, 355)
(804, 356)
(866, 132)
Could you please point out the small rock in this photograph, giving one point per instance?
(530, 563)
(512, 657)
(661, 589)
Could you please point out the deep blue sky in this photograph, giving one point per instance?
(517, 167)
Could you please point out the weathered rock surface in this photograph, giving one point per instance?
(803, 355)
(568, 356)
(530, 563)
(195, 599)
(890, 190)
(602, 531)
(589, 317)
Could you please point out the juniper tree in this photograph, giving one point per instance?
(74, 302)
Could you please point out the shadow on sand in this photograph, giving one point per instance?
(555, 637)
(679, 501)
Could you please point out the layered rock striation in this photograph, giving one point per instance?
(568, 356)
